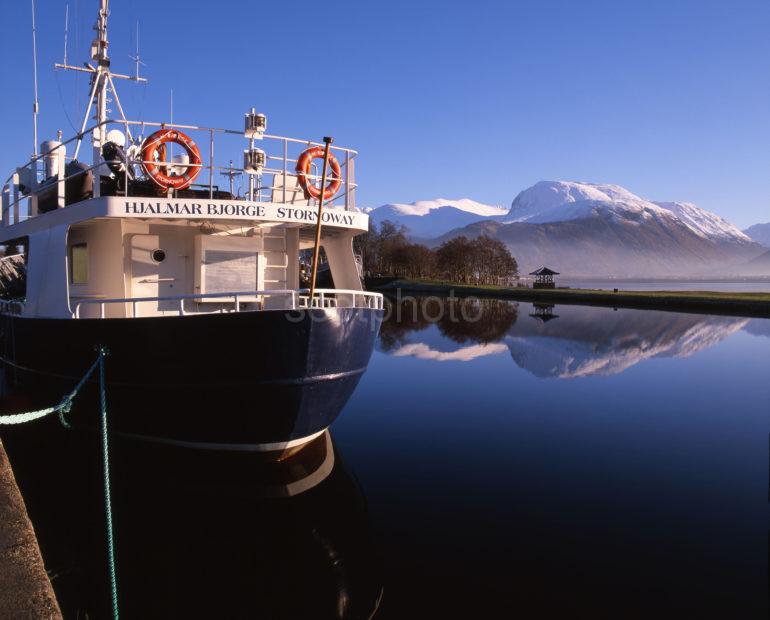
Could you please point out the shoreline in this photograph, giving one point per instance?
(25, 588)
(752, 305)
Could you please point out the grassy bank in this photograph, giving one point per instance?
(709, 302)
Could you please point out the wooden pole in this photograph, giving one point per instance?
(327, 141)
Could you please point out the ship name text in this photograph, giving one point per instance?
(237, 210)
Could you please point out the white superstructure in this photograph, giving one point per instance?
(104, 240)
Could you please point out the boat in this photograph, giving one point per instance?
(188, 285)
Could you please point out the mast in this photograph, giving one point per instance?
(35, 105)
(99, 54)
(101, 77)
(101, 82)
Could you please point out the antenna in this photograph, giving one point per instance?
(136, 58)
(102, 83)
(99, 51)
(35, 105)
(171, 144)
(231, 174)
(66, 25)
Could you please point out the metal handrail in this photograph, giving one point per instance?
(324, 298)
(13, 197)
(375, 301)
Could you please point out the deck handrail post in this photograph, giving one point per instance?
(211, 164)
(16, 196)
(285, 163)
(347, 181)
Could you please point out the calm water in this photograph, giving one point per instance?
(533, 462)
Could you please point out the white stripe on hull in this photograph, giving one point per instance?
(233, 447)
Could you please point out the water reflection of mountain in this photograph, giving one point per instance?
(579, 341)
(199, 534)
(758, 327)
(444, 330)
(600, 341)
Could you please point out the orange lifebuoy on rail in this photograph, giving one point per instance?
(154, 150)
(303, 170)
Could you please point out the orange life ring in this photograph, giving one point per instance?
(303, 170)
(154, 152)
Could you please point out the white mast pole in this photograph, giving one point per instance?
(35, 105)
(66, 28)
(103, 61)
(136, 58)
(101, 83)
(101, 77)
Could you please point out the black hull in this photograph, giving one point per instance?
(258, 379)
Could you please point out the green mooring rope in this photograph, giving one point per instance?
(63, 408)
(107, 493)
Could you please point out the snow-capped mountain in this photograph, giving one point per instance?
(430, 218)
(704, 222)
(759, 233)
(560, 201)
(601, 229)
(563, 200)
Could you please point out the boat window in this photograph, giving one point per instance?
(79, 263)
(158, 256)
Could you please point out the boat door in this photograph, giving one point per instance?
(151, 276)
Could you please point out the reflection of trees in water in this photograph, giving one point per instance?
(459, 319)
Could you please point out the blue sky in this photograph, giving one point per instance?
(670, 99)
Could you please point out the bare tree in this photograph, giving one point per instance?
(387, 251)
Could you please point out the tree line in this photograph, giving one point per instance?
(387, 251)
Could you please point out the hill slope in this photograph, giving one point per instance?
(593, 229)
(759, 233)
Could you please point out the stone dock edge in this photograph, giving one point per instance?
(25, 589)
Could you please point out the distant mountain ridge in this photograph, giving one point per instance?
(430, 218)
(759, 233)
(590, 229)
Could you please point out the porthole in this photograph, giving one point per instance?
(158, 256)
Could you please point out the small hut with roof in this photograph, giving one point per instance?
(544, 278)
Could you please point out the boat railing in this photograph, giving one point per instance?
(340, 298)
(276, 182)
(240, 301)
